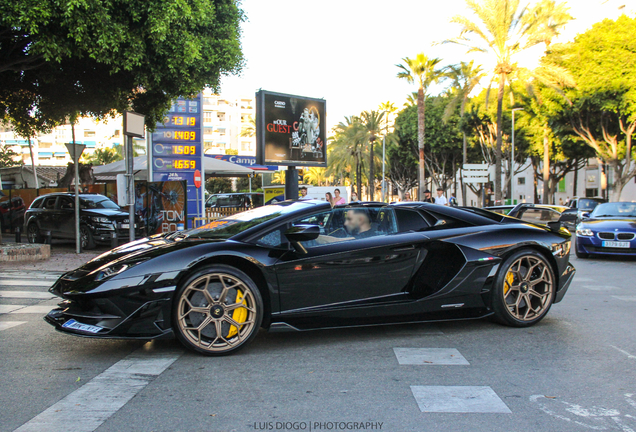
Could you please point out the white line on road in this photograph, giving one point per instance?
(625, 298)
(430, 356)
(27, 295)
(8, 324)
(629, 356)
(22, 309)
(26, 282)
(88, 407)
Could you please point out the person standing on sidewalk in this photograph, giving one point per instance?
(440, 198)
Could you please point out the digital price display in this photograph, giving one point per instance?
(175, 135)
(175, 164)
(179, 120)
(177, 149)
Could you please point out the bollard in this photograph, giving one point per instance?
(113, 240)
(18, 235)
(47, 237)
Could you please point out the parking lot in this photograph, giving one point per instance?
(573, 371)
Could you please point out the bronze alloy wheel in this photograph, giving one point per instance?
(218, 311)
(525, 289)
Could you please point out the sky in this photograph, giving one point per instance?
(346, 51)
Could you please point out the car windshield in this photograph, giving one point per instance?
(232, 225)
(619, 209)
(98, 202)
(587, 204)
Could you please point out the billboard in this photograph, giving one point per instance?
(177, 150)
(290, 130)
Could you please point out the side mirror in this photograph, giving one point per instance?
(585, 215)
(300, 233)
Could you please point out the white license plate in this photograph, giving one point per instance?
(615, 244)
(72, 324)
(126, 226)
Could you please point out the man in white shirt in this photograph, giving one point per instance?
(440, 198)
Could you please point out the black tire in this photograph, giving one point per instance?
(199, 329)
(524, 289)
(33, 233)
(86, 238)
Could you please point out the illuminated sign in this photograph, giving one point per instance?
(177, 149)
(290, 130)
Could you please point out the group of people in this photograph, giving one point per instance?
(439, 199)
(336, 199)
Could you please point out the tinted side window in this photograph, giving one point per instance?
(37, 203)
(49, 203)
(539, 215)
(66, 203)
(409, 220)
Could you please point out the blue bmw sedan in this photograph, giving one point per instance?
(609, 230)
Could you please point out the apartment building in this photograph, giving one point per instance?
(228, 126)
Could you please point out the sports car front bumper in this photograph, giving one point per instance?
(564, 282)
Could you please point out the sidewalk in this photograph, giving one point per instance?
(63, 258)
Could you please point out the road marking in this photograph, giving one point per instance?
(22, 309)
(8, 324)
(88, 407)
(600, 287)
(625, 298)
(4, 309)
(458, 399)
(27, 294)
(429, 356)
(629, 356)
(25, 282)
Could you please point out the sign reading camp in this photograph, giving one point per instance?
(290, 130)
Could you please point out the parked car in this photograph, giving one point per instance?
(610, 229)
(235, 200)
(533, 213)
(576, 206)
(99, 219)
(11, 212)
(302, 265)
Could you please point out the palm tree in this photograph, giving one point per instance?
(278, 177)
(250, 130)
(465, 77)
(373, 122)
(504, 29)
(316, 176)
(346, 150)
(103, 156)
(422, 71)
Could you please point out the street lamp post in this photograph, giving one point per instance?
(512, 160)
(383, 158)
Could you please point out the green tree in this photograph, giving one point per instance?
(504, 29)
(373, 122)
(422, 71)
(103, 156)
(249, 131)
(603, 109)
(316, 176)
(346, 151)
(464, 78)
(7, 156)
(243, 184)
(72, 56)
(216, 185)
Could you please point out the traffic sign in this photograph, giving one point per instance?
(197, 179)
(475, 173)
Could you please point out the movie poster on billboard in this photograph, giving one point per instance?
(291, 130)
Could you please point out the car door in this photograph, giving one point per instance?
(350, 271)
(47, 215)
(64, 217)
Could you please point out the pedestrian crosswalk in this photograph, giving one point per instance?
(24, 295)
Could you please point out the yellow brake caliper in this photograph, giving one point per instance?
(239, 315)
(510, 278)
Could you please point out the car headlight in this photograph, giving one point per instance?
(115, 269)
(584, 232)
(100, 219)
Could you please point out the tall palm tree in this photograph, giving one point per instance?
(346, 150)
(316, 176)
(249, 131)
(422, 71)
(505, 28)
(373, 123)
(103, 156)
(465, 77)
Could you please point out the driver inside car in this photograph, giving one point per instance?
(357, 225)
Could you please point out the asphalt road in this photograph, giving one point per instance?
(575, 371)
